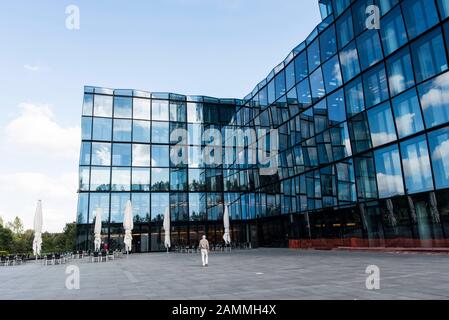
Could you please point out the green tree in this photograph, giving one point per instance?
(23, 243)
(16, 226)
(1, 222)
(6, 239)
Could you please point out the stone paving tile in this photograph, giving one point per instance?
(255, 274)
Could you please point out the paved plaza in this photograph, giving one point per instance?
(249, 274)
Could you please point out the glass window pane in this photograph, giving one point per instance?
(160, 110)
(370, 51)
(439, 151)
(103, 106)
(121, 179)
(435, 100)
(393, 32)
(178, 111)
(179, 207)
(85, 153)
(301, 68)
(354, 97)
(100, 178)
(290, 77)
(328, 43)
(386, 5)
(349, 62)
(101, 154)
(381, 125)
(375, 86)
(366, 177)
(142, 109)
(389, 172)
(197, 206)
(359, 14)
(443, 6)
(429, 56)
(141, 179)
(416, 163)
(99, 201)
(118, 205)
(303, 93)
(313, 55)
(121, 154)
(400, 72)
(159, 202)
(160, 132)
(195, 112)
(160, 179)
(83, 207)
(178, 180)
(141, 207)
(359, 133)
(141, 155)
(84, 178)
(86, 128)
(407, 113)
(336, 107)
(197, 180)
(332, 74)
(122, 130)
(317, 85)
(102, 129)
(345, 29)
(142, 131)
(160, 156)
(279, 81)
(419, 16)
(122, 107)
(88, 104)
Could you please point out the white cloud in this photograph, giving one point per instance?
(441, 153)
(34, 68)
(406, 123)
(20, 192)
(438, 94)
(36, 130)
(42, 163)
(397, 83)
(389, 185)
(348, 57)
(382, 138)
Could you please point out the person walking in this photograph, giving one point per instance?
(204, 247)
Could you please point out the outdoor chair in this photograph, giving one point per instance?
(49, 259)
(12, 260)
(57, 258)
(95, 257)
(103, 256)
(3, 261)
(110, 255)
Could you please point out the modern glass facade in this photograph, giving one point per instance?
(363, 122)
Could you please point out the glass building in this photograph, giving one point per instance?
(363, 126)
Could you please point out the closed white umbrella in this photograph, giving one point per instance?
(226, 236)
(37, 242)
(128, 225)
(167, 228)
(97, 229)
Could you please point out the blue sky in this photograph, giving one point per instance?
(220, 48)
